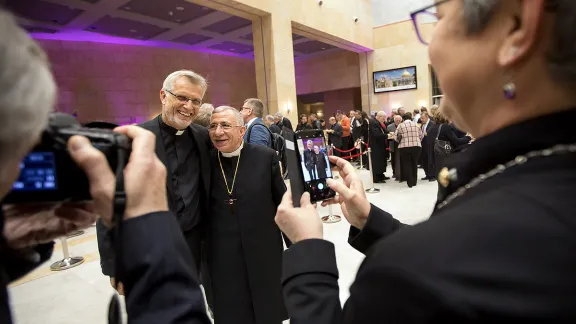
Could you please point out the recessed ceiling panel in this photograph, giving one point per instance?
(248, 37)
(31, 29)
(179, 11)
(311, 46)
(233, 47)
(227, 25)
(191, 39)
(296, 37)
(125, 28)
(43, 11)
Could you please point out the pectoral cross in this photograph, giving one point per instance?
(230, 201)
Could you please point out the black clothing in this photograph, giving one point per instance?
(301, 127)
(187, 184)
(501, 252)
(457, 132)
(316, 124)
(184, 166)
(427, 165)
(379, 145)
(436, 162)
(409, 164)
(336, 137)
(160, 285)
(244, 244)
(309, 163)
(275, 129)
(286, 123)
(320, 160)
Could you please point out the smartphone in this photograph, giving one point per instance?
(314, 164)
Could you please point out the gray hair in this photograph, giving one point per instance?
(204, 115)
(270, 118)
(237, 113)
(561, 55)
(279, 115)
(257, 106)
(192, 76)
(380, 114)
(27, 91)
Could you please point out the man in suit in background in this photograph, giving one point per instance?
(257, 132)
(272, 126)
(335, 135)
(282, 121)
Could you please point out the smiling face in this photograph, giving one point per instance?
(316, 149)
(176, 110)
(309, 145)
(225, 133)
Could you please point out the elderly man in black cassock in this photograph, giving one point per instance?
(244, 244)
(378, 144)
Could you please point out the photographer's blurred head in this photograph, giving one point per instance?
(27, 96)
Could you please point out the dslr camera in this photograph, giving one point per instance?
(48, 174)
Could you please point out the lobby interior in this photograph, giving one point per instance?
(109, 58)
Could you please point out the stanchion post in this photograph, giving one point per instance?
(331, 218)
(333, 148)
(373, 189)
(361, 155)
(68, 262)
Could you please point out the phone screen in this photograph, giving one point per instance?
(315, 165)
(37, 173)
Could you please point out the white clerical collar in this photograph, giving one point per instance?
(180, 132)
(235, 153)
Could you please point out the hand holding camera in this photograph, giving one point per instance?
(351, 195)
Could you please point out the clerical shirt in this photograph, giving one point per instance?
(184, 172)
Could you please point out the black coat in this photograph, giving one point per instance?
(378, 144)
(501, 252)
(245, 245)
(275, 129)
(204, 145)
(302, 127)
(286, 123)
(336, 137)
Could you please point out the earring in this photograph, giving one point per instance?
(510, 90)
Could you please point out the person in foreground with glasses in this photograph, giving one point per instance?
(244, 244)
(500, 244)
(160, 287)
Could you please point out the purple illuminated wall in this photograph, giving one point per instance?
(120, 83)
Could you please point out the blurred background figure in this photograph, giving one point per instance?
(204, 114)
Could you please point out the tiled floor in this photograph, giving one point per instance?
(81, 295)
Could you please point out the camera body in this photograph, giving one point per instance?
(48, 174)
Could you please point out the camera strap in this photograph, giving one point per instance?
(119, 207)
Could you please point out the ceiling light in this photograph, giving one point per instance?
(232, 49)
(177, 20)
(170, 13)
(127, 8)
(323, 48)
(133, 30)
(179, 8)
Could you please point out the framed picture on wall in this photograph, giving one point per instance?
(395, 80)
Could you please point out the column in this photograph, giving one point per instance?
(369, 102)
(274, 61)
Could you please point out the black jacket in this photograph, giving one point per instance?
(204, 145)
(501, 252)
(336, 137)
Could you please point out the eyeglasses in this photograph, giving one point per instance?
(425, 20)
(225, 127)
(183, 99)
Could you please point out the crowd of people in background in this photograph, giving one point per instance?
(405, 140)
